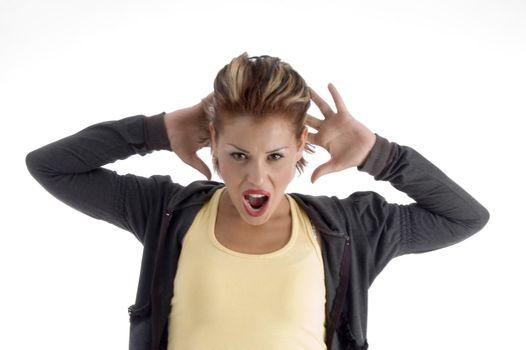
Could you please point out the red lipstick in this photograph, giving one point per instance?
(255, 202)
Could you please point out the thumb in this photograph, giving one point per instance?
(323, 169)
(198, 164)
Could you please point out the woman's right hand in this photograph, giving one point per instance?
(188, 132)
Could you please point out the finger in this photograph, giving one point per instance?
(313, 122)
(338, 100)
(323, 169)
(198, 164)
(203, 168)
(323, 106)
(313, 138)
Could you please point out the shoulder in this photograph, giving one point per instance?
(196, 193)
(338, 213)
(354, 201)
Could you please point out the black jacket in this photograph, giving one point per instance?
(360, 234)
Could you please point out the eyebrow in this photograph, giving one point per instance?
(245, 151)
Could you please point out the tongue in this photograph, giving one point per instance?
(257, 202)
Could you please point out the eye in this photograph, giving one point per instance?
(275, 156)
(238, 156)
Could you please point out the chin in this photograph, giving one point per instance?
(255, 217)
(252, 219)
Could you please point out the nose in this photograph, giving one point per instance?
(257, 173)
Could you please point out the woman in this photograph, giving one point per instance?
(241, 264)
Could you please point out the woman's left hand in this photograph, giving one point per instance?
(346, 139)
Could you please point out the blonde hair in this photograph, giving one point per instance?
(259, 87)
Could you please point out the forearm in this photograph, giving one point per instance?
(71, 168)
(98, 145)
(444, 213)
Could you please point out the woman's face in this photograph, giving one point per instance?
(257, 160)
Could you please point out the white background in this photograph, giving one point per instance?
(445, 77)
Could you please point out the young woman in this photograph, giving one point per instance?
(242, 264)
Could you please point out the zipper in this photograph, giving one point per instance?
(341, 290)
(156, 336)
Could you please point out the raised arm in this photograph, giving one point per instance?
(443, 212)
(71, 169)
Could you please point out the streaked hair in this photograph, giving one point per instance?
(259, 87)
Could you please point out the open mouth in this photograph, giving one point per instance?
(255, 202)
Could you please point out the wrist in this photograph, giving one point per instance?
(155, 132)
(368, 145)
(378, 157)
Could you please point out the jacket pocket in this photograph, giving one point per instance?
(139, 311)
(140, 326)
(345, 338)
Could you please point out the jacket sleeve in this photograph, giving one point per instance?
(443, 213)
(71, 169)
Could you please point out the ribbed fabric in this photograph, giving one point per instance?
(155, 133)
(225, 299)
(380, 156)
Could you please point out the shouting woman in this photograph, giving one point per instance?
(242, 264)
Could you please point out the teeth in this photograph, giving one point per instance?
(256, 195)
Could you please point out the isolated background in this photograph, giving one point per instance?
(445, 77)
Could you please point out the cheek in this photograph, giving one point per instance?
(232, 173)
(226, 170)
(284, 176)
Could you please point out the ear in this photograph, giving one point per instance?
(213, 139)
(301, 143)
(213, 148)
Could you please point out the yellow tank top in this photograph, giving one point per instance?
(225, 299)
